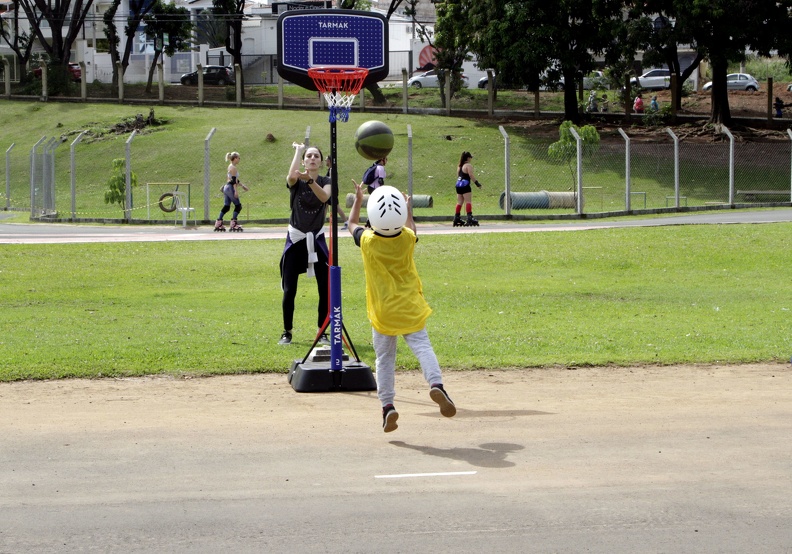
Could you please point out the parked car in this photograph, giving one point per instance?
(484, 81)
(737, 81)
(595, 79)
(212, 75)
(74, 70)
(429, 79)
(654, 79)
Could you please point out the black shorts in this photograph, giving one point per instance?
(463, 190)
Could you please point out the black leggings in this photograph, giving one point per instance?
(294, 262)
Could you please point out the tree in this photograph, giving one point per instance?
(522, 39)
(565, 149)
(64, 16)
(113, 40)
(232, 12)
(138, 9)
(660, 27)
(167, 20)
(210, 29)
(116, 184)
(452, 44)
(19, 41)
(723, 30)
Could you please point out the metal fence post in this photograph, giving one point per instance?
(676, 166)
(83, 82)
(507, 170)
(7, 76)
(128, 210)
(579, 143)
(207, 175)
(8, 173)
(49, 177)
(238, 84)
(73, 166)
(44, 83)
(490, 91)
(161, 82)
(120, 70)
(726, 132)
(447, 92)
(626, 168)
(409, 161)
(33, 155)
(789, 132)
(280, 92)
(199, 69)
(404, 90)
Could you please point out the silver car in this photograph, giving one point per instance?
(738, 81)
(429, 79)
(654, 79)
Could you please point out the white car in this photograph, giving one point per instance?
(594, 80)
(429, 79)
(737, 81)
(654, 79)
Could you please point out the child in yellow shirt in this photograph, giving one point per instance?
(394, 295)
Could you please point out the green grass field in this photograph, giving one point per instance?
(665, 295)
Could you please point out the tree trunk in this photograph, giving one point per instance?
(376, 93)
(720, 113)
(571, 110)
(151, 70)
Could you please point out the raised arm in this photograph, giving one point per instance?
(354, 215)
(294, 169)
(410, 221)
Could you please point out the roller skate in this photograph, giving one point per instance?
(471, 221)
(219, 226)
(458, 221)
(235, 227)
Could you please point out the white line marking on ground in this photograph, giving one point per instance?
(442, 474)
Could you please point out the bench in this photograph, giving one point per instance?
(754, 194)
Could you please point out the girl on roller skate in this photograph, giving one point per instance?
(231, 194)
(305, 250)
(465, 176)
(394, 295)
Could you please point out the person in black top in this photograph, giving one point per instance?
(305, 249)
(465, 176)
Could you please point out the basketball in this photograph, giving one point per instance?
(373, 140)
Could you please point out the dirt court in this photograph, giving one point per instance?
(610, 459)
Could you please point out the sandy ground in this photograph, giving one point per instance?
(644, 459)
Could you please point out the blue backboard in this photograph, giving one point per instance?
(331, 38)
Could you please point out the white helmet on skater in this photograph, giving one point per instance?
(387, 210)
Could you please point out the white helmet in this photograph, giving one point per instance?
(387, 210)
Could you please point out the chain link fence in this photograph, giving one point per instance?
(520, 177)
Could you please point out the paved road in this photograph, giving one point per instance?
(48, 233)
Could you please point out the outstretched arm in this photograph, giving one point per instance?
(354, 214)
(410, 221)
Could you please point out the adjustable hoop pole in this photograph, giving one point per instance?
(339, 85)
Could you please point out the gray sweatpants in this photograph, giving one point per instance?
(385, 349)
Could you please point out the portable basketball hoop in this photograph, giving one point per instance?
(336, 52)
(340, 86)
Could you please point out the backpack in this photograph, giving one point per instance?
(370, 175)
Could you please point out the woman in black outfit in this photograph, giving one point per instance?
(305, 249)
